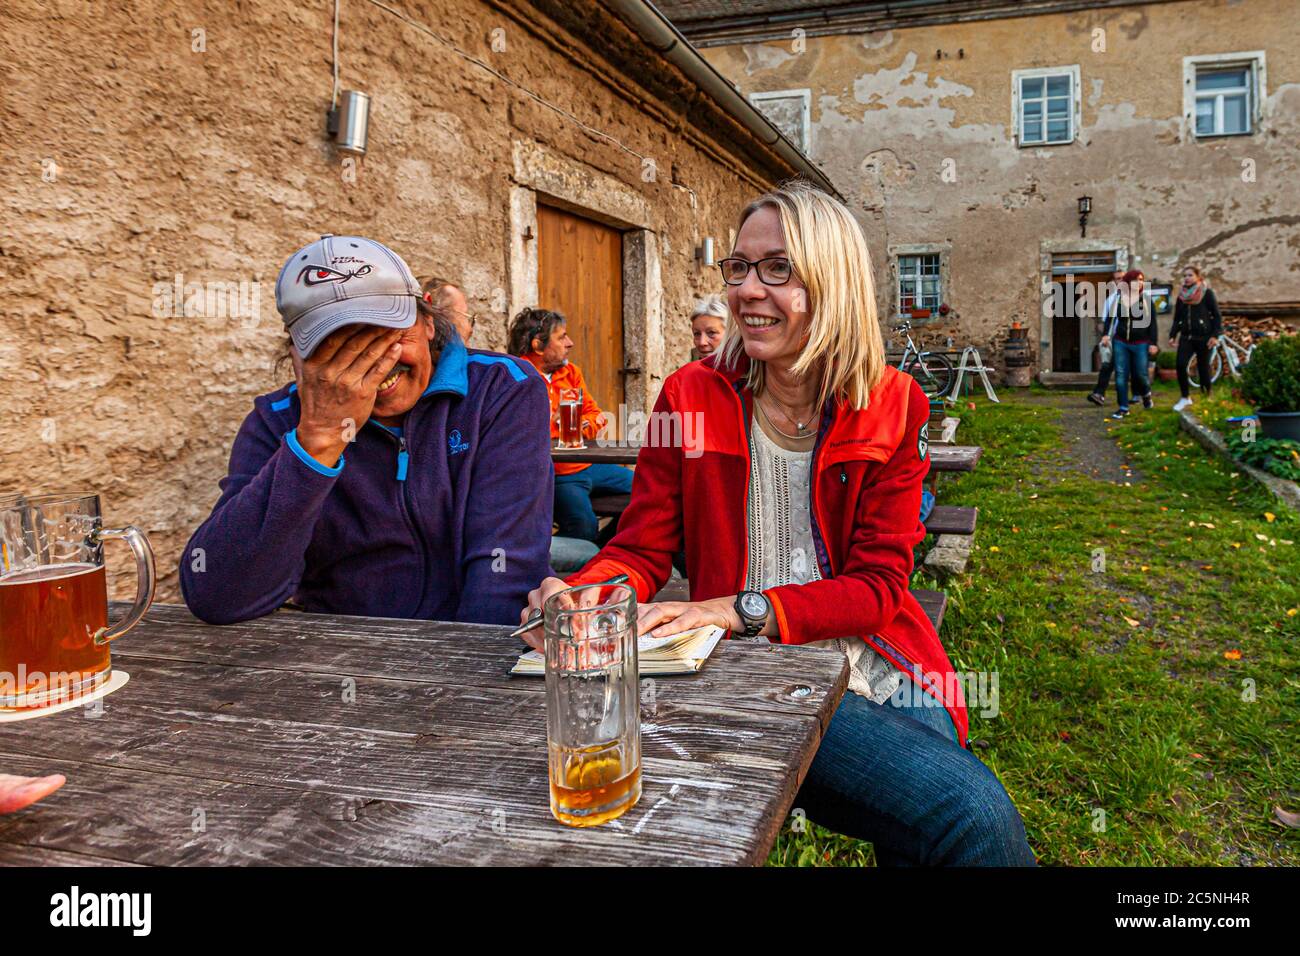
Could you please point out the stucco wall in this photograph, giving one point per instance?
(892, 112)
(132, 156)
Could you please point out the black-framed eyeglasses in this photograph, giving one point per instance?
(774, 271)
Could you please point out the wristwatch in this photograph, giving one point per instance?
(753, 609)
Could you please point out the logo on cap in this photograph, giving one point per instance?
(316, 275)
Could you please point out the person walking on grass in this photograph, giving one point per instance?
(1131, 333)
(1105, 354)
(1196, 329)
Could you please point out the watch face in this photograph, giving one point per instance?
(754, 605)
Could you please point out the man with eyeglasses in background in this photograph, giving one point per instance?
(449, 299)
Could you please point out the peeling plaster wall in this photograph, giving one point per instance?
(888, 113)
(130, 158)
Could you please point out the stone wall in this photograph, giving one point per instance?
(152, 140)
(915, 126)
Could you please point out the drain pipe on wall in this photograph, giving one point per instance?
(656, 30)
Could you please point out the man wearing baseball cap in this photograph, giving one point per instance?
(401, 475)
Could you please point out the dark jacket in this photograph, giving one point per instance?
(1199, 321)
(1136, 325)
(450, 520)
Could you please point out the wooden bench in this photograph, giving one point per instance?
(934, 603)
(609, 506)
(950, 519)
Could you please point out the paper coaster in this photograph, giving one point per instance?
(116, 680)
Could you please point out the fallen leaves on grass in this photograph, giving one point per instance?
(1129, 621)
(1286, 818)
(1232, 655)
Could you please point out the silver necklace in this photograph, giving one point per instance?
(803, 426)
(777, 428)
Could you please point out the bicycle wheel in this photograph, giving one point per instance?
(1194, 369)
(934, 373)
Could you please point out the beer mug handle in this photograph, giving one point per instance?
(145, 580)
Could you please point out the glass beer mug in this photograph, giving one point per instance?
(593, 708)
(570, 415)
(54, 631)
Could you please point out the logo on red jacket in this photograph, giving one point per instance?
(923, 440)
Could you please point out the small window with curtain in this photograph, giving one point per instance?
(918, 283)
(1222, 93)
(1223, 101)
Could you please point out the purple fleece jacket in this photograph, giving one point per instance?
(448, 520)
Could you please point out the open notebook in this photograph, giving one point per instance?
(683, 653)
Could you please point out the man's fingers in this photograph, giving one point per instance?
(332, 343)
(380, 367)
(356, 343)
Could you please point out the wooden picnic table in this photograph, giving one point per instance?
(594, 454)
(942, 457)
(954, 457)
(323, 739)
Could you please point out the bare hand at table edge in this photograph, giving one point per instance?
(18, 792)
(665, 618)
(338, 384)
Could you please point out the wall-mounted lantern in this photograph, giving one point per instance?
(705, 254)
(1085, 209)
(349, 122)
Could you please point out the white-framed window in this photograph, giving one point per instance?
(790, 111)
(919, 284)
(1046, 105)
(1222, 93)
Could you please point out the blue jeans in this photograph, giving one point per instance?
(573, 497)
(570, 554)
(894, 774)
(1130, 359)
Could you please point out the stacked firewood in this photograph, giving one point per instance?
(1267, 326)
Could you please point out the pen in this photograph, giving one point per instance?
(538, 617)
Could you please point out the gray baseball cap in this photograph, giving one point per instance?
(343, 280)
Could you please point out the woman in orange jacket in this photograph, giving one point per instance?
(796, 499)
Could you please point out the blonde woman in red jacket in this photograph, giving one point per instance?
(796, 502)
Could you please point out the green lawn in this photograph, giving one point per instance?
(1165, 690)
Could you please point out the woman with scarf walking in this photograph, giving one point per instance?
(1198, 321)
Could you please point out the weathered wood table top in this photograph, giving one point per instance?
(954, 457)
(321, 739)
(595, 454)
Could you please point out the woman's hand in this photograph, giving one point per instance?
(18, 792)
(338, 384)
(1173, 341)
(666, 618)
(1212, 343)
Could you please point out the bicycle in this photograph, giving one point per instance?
(1236, 357)
(932, 370)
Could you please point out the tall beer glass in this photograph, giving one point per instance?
(593, 714)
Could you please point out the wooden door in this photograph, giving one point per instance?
(580, 273)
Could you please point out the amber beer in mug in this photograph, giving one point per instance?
(593, 711)
(571, 418)
(54, 630)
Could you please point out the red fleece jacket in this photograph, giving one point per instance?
(868, 467)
